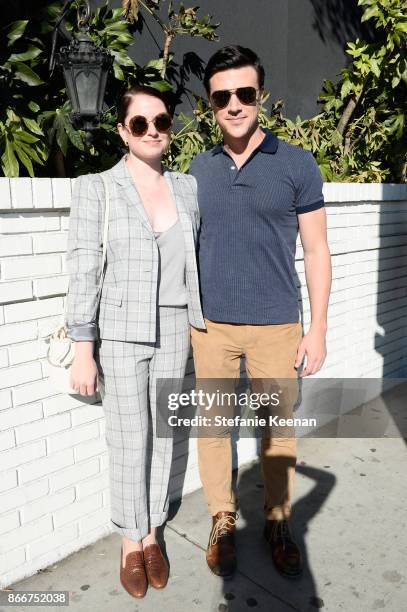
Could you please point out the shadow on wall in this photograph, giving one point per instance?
(391, 310)
(391, 343)
(340, 20)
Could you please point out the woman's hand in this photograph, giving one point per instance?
(84, 370)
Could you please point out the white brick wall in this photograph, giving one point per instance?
(53, 457)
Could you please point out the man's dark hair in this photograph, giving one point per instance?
(232, 56)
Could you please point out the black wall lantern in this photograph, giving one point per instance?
(85, 67)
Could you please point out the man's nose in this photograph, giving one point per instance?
(234, 104)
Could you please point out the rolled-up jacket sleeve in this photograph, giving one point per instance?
(84, 258)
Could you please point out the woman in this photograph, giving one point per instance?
(140, 332)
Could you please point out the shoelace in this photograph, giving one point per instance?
(221, 527)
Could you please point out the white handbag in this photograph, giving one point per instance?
(61, 349)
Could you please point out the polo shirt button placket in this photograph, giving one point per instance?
(234, 173)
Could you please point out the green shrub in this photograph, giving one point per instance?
(359, 135)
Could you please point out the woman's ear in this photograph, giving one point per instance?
(122, 133)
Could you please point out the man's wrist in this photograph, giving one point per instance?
(320, 326)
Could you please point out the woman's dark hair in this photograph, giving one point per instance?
(232, 56)
(127, 96)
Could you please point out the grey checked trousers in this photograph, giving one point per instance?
(139, 461)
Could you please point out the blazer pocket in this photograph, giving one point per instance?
(112, 295)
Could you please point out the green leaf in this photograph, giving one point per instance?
(116, 26)
(25, 160)
(73, 134)
(346, 88)
(122, 58)
(395, 125)
(155, 63)
(33, 126)
(117, 14)
(375, 67)
(126, 39)
(161, 85)
(31, 53)
(118, 72)
(370, 12)
(395, 81)
(62, 140)
(25, 136)
(9, 161)
(34, 107)
(27, 75)
(33, 153)
(15, 32)
(401, 27)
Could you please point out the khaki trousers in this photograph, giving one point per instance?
(270, 352)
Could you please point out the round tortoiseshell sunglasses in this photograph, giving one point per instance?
(138, 125)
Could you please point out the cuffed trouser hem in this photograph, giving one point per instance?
(226, 507)
(158, 519)
(278, 513)
(136, 533)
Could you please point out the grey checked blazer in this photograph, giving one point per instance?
(128, 301)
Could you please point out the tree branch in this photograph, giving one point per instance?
(169, 36)
(348, 112)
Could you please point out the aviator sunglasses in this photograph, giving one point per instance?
(138, 124)
(246, 95)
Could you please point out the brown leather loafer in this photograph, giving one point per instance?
(157, 569)
(133, 574)
(284, 551)
(221, 553)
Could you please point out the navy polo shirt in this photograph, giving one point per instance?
(249, 227)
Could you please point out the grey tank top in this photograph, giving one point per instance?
(171, 278)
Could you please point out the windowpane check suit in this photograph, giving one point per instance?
(136, 342)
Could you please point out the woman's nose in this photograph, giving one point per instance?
(152, 130)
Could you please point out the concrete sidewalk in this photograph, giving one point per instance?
(350, 521)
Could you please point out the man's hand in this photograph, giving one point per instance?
(313, 345)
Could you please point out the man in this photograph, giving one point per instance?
(255, 191)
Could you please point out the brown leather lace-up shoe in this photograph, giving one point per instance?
(133, 574)
(221, 554)
(157, 569)
(284, 551)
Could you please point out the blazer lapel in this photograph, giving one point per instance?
(177, 187)
(123, 177)
(183, 215)
(133, 198)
